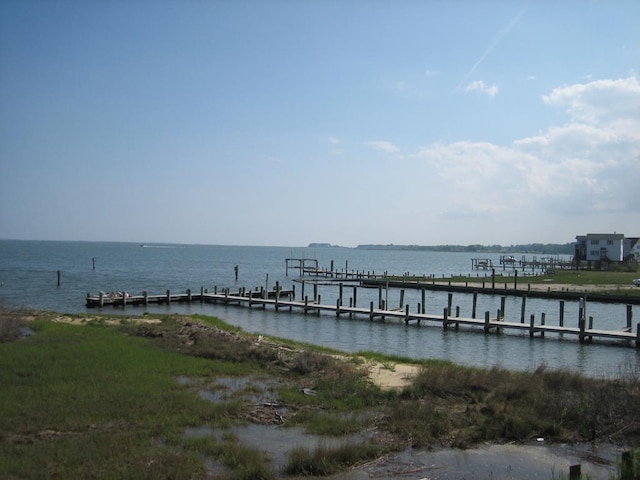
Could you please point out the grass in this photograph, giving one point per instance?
(571, 277)
(104, 396)
(325, 461)
(104, 401)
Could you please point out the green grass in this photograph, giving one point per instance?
(96, 401)
(571, 277)
(80, 402)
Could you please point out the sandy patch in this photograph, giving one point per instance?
(391, 375)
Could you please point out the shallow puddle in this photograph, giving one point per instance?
(276, 441)
(496, 462)
(222, 389)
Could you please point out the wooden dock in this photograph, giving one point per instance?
(281, 299)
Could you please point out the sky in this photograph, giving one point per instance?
(348, 122)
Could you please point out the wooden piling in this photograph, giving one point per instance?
(423, 303)
(475, 304)
(531, 325)
(445, 318)
(561, 313)
(523, 309)
(629, 316)
(487, 319)
(59, 275)
(575, 472)
(168, 297)
(503, 302)
(449, 302)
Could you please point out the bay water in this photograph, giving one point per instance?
(29, 279)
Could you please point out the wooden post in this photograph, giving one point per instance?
(629, 316)
(145, 296)
(315, 293)
(493, 279)
(575, 472)
(188, 295)
(487, 318)
(581, 325)
(355, 296)
(168, 297)
(523, 309)
(340, 289)
(449, 302)
(371, 311)
(445, 318)
(379, 296)
(59, 275)
(503, 301)
(543, 320)
(626, 466)
(401, 305)
(561, 313)
(338, 303)
(423, 307)
(638, 335)
(531, 323)
(406, 314)
(515, 281)
(302, 294)
(475, 304)
(101, 301)
(93, 261)
(202, 295)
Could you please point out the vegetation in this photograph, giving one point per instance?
(113, 401)
(534, 248)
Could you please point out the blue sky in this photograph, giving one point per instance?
(348, 122)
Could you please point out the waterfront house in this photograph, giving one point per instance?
(607, 248)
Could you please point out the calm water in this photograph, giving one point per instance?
(29, 279)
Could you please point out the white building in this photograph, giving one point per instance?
(606, 247)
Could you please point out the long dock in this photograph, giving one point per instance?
(285, 300)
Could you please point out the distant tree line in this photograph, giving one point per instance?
(537, 248)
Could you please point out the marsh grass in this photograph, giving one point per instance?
(98, 401)
(325, 461)
(461, 406)
(80, 402)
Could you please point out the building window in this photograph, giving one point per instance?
(609, 242)
(594, 253)
(595, 242)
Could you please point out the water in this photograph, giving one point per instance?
(28, 275)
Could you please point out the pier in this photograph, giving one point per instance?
(285, 300)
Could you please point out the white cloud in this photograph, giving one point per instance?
(480, 86)
(600, 101)
(590, 165)
(430, 73)
(334, 140)
(383, 146)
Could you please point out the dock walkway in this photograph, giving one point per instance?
(285, 300)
